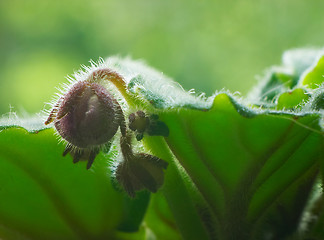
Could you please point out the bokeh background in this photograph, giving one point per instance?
(203, 44)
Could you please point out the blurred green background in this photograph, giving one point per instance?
(206, 44)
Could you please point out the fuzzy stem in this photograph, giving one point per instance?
(126, 147)
(117, 80)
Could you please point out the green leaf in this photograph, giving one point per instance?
(45, 196)
(153, 88)
(242, 157)
(133, 212)
(277, 81)
(32, 124)
(314, 77)
(160, 220)
(284, 78)
(243, 161)
(299, 60)
(284, 219)
(292, 99)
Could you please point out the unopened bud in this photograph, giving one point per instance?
(140, 170)
(87, 117)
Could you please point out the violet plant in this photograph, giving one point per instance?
(156, 162)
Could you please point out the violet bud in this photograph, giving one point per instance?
(140, 170)
(87, 117)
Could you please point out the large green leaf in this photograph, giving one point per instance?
(242, 165)
(247, 164)
(45, 196)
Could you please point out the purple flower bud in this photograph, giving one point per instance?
(140, 170)
(87, 117)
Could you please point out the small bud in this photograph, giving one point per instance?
(140, 124)
(87, 117)
(138, 121)
(140, 170)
